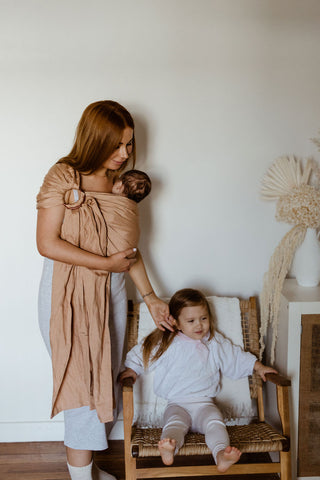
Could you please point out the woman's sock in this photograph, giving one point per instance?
(98, 474)
(80, 473)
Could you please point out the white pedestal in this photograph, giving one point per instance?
(295, 301)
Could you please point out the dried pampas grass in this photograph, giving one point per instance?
(279, 265)
(299, 204)
(282, 176)
(300, 207)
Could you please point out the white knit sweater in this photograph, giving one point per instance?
(190, 370)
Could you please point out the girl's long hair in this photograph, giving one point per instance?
(161, 340)
(98, 135)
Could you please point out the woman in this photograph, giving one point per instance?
(87, 324)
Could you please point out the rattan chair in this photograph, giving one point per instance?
(255, 437)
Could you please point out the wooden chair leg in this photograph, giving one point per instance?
(130, 462)
(285, 460)
(130, 467)
(283, 408)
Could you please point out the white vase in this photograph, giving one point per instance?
(306, 263)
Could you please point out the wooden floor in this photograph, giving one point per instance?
(47, 461)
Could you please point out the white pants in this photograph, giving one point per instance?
(83, 429)
(202, 417)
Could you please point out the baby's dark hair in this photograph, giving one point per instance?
(161, 340)
(137, 185)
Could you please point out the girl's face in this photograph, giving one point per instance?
(194, 321)
(121, 154)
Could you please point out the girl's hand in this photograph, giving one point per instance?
(263, 369)
(121, 261)
(127, 373)
(160, 312)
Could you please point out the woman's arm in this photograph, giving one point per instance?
(158, 309)
(51, 245)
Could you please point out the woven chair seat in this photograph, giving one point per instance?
(256, 437)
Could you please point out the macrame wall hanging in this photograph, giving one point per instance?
(298, 203)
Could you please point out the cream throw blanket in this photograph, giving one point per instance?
(234, 398)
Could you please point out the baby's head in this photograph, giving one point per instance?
(192, 313)
(132, 184)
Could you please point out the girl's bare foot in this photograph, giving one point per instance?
(227, 457)
(167, 447)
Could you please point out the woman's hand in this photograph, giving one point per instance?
(122, 261)
(52, 246)
(127, 373)
(160, 312)
(263, 369)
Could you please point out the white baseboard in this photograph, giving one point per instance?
(308, 478)
(117, 431)
(51, 431)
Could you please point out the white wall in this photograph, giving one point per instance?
(218, 89)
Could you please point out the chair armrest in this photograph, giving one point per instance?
(282, 384)
(127, 384)
(278, 379)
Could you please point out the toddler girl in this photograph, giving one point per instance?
(189, 363)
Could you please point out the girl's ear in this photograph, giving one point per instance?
(175, 324)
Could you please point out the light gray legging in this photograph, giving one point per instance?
(83, 429)
(201, 416)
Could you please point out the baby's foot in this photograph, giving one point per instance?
(227, 457)
(167, 447)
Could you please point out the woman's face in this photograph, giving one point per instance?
(121, 154)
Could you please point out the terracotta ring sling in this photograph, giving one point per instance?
(100, 223)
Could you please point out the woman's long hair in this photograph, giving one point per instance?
(98, 135)
(161, 340)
